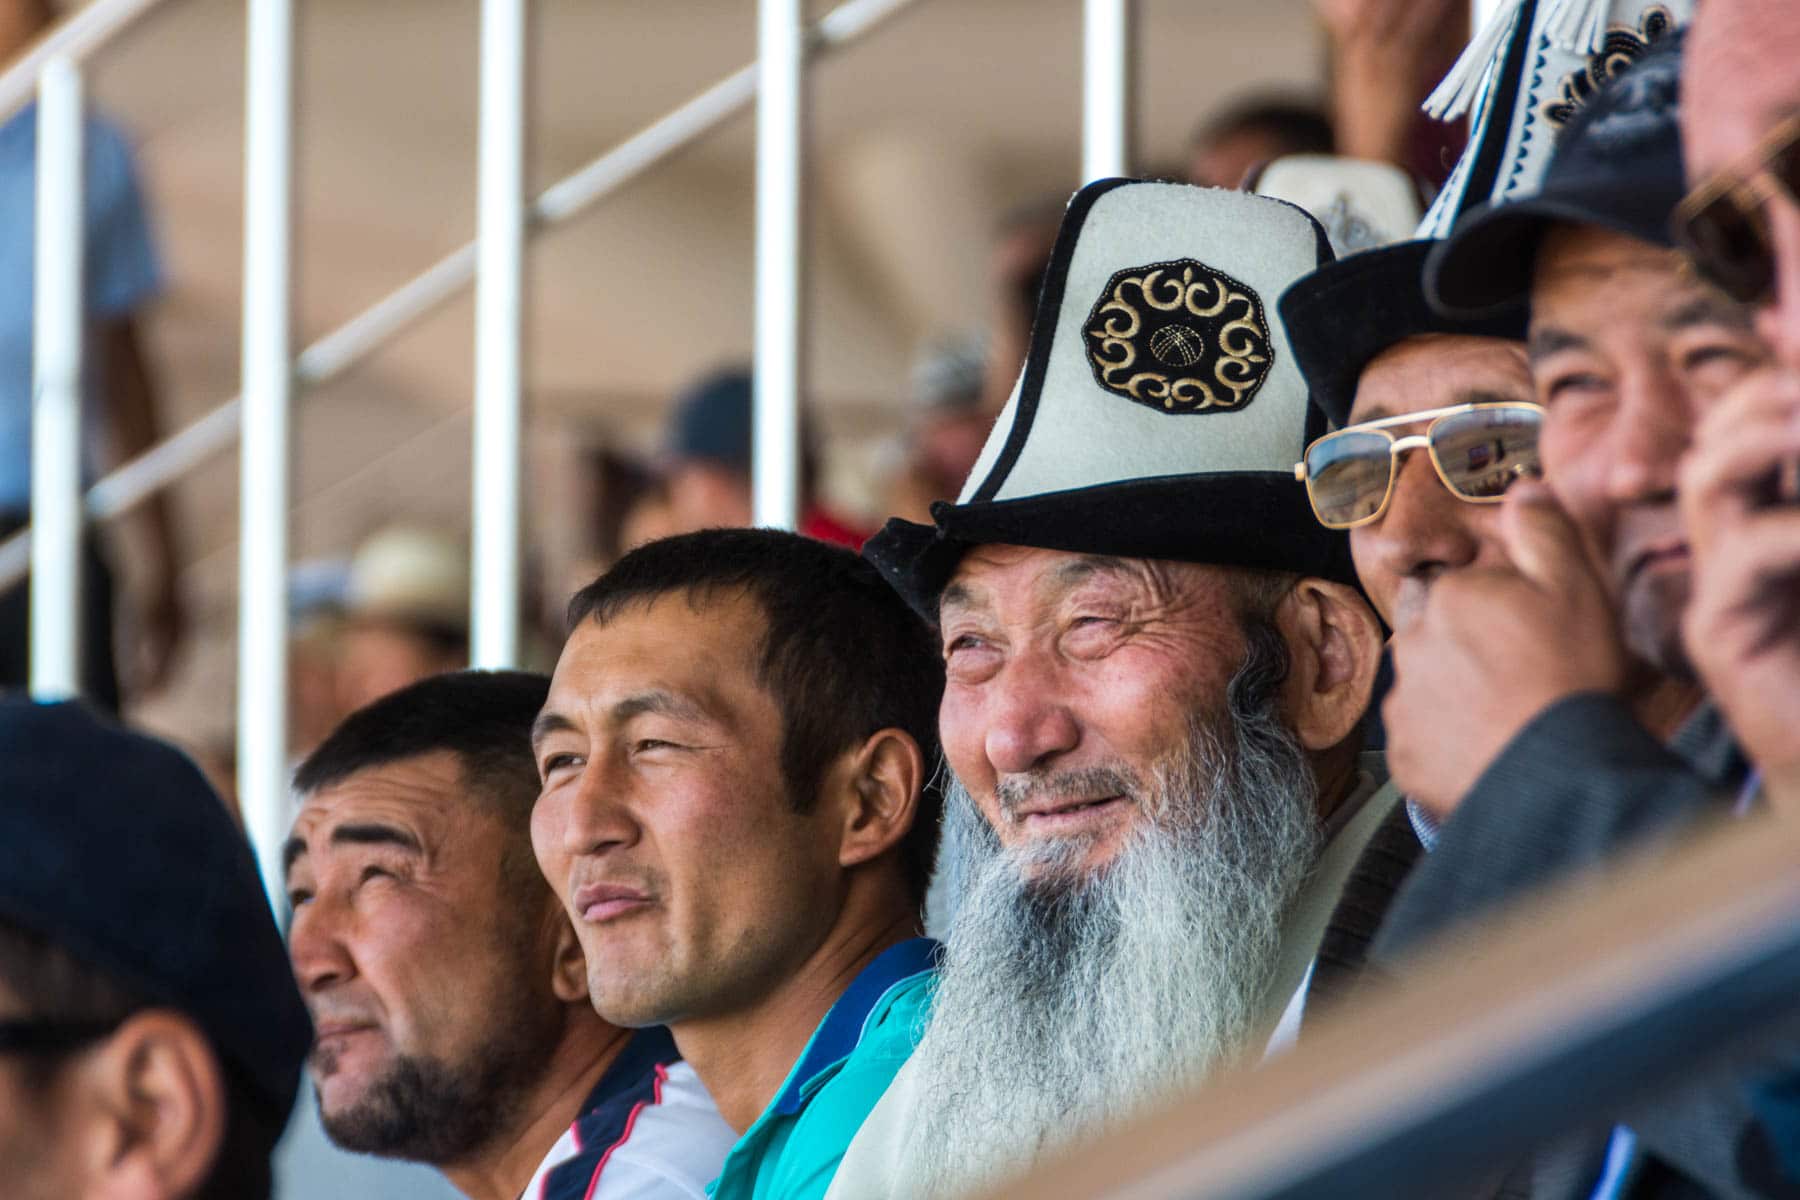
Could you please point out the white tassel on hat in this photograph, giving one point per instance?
(1456, 94)
(1578, 26)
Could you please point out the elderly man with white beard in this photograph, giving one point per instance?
(1157, 671)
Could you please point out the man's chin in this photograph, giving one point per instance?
(1652, 622)
(1061, 864)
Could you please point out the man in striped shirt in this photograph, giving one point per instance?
(448, 992)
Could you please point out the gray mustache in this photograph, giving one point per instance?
(1014, 791)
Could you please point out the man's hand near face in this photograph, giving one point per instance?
(1741, 507)
(1495, 646)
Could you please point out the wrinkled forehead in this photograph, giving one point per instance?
(1436, 370)
(1590, 276)
(996, 578)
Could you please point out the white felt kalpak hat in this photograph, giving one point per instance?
(1160, 411)
(1529, 69)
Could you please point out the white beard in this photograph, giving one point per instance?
(1069, 1001)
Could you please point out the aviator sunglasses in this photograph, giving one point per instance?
(1722, 225)
(1477, 449)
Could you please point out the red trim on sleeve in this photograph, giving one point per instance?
(662, 1074)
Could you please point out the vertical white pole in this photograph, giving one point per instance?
(1105, 89)
(264, 466)
(776, 447)
(56, 388)
(499, 290)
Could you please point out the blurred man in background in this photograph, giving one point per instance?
(1259, 129)
(737, 814)
(406, 614)
(707, 479)
(447, 987)
(947, 425)
(122, 277)
(150, 1034)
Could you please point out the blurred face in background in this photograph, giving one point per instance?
(1627, 349)
(707, 495)
(377, 657)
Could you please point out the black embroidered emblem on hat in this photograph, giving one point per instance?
(1620, 48)
(1179, 337)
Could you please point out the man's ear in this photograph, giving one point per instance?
(878, 786)
(161, 1091)
(1334, 641)
(568, 966)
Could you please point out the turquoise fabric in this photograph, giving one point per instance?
(793, 1150)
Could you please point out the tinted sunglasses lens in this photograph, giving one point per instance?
(1480, 453)
(1347, 476)
(1727, 245)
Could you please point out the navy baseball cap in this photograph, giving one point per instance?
(711, 421)
(1618, 165)
(114, 848)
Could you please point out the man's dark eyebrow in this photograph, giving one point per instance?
(1708, 310)
(661, 703)
(956, 594)
(357, 835)
(375, 835)
(547, 723)
(1545, 342)
(1086, 567)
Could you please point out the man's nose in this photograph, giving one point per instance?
(316, 945)
(1651, 429)
(598, 814)
(1426, 529)
(1778, 321)
(1029, 722)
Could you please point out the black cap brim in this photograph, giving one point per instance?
(1343, 315)
(1224, 519)
(1486, 267)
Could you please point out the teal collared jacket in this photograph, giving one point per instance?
(793, 1149)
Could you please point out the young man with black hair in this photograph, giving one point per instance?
(447, 987)
(150, 1034)
(737, 813)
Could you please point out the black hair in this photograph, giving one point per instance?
(842, 654)
(483, 717)
(51, 983)
(1300, 126)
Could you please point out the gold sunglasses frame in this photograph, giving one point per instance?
(1750, 184)
(1399, 445)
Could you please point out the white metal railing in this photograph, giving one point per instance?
(263, 468)
(495, 521)
(57, 321)
(272, 378)
(774, 458)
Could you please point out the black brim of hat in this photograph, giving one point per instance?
(1347, 313)
(1485, 268)
(1240, 519)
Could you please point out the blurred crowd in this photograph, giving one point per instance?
(1387, 516)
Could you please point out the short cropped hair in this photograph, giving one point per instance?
(51, 983)
(482, 717)
(842, 654)
(1297, 125)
